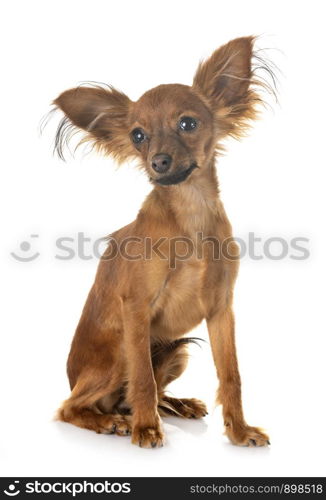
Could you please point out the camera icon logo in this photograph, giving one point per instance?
(25, 253)
(12, 489)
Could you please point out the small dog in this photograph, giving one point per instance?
(130, 344)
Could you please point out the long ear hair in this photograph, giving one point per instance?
(101, 113)
(229, 80)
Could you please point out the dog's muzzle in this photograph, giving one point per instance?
(176, 177)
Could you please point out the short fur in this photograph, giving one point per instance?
(129, 342)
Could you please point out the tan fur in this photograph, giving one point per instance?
(127, 345)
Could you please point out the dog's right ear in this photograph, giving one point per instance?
(102, 113)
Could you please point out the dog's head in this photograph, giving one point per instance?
(174, 129)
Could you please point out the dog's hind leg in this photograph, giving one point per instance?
(169, 362)
(84, 408)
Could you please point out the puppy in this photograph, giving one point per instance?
(175, 265)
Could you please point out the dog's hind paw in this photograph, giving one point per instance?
(185, 408)
(116, 424)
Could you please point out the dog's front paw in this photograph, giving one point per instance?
(148, 437)
(245, 435)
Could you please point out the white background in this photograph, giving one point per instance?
(272, 183)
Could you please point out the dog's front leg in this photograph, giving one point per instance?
(221, 333)
(142, 391)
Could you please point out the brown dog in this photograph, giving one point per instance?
(129, 343)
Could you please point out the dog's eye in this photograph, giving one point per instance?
(138, 135)
(187, 123)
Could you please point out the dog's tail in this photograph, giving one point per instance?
(164, 348)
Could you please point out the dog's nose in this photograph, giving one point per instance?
(161, 163)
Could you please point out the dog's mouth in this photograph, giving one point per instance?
(176, 177)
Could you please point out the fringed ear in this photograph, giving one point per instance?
(102, 113)
(227, 81)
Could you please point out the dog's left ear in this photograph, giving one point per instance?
(225, 80)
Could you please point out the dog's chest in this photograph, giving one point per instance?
(178, 305)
